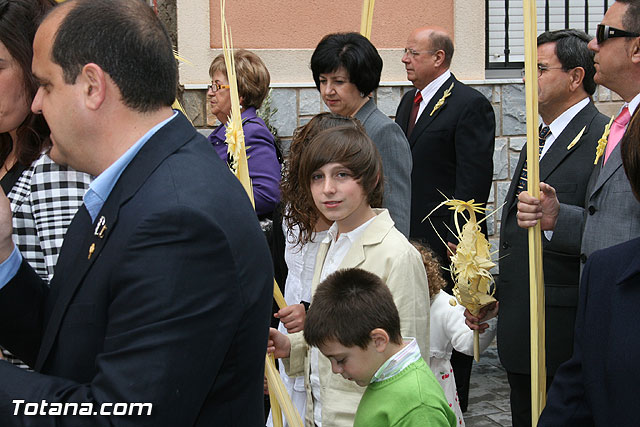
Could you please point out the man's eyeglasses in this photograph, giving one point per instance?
(605, 32)
(413, 53)
(542, 69)
(214, 87)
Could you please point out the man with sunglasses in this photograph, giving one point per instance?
(611, 214)
(569, 132)
(451, 131)
(587, 389)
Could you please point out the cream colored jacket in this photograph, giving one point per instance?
(382, 250)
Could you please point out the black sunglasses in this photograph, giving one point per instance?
(605, 32)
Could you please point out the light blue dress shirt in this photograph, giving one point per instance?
(94, 198)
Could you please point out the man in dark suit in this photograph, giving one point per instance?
(597, 385)
(451, 131)
(161, 296)
(611, 215)
(569, 133)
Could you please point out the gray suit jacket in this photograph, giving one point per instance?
(396, 162)
(611, 214)
(568, 171)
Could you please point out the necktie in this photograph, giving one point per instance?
(617, 131)
(542, 138)
(414, 113)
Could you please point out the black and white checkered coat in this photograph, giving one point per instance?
(43, 202)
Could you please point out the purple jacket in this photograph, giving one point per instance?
(264, 169)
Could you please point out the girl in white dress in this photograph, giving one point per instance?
(448, 330)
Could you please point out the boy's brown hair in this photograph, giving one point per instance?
(350, 147)
(347, 306)
(297, 212)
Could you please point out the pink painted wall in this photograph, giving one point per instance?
(295, 24)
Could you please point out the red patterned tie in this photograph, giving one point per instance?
(414, 113)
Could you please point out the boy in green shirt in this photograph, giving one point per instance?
(354, 323)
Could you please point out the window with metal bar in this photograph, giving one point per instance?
(505, 25)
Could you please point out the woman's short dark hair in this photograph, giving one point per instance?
(19, 20)
(251, 73)
(353, 52)
(347, 306)
(350, 147)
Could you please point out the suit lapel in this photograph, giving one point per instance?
(607, 170)
(566, 142)
(511, 194)
(76, 259)
(561, 148)
(426, 117)
(76, 256)
(372, 235)
(404, 110)
(632, 270)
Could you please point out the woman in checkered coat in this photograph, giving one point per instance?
(44, 196)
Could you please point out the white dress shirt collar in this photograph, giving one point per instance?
(430, 90)
(560, 123)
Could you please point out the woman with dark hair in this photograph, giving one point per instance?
(599, 384)
(44, 196)
(253, 87)
(346, 69)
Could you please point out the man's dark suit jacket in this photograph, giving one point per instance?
(452, 153)
(567, 170)
(599, 384)
(171, 308)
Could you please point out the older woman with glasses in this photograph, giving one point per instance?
(346, 69)
(44, 196)
(253, 87)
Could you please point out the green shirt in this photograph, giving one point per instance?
(413, 397)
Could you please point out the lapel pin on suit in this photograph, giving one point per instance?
(440, 102)
(576, 139)
(92, 248)
(101, 227)
(602, 142)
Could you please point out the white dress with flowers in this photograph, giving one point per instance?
(448, 331)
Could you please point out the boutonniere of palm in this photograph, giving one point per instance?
(440, 102)
(602, 142)
(471, 263)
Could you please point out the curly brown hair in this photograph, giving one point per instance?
(297, 212)
(433, 269)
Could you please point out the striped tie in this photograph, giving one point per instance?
(542, 138)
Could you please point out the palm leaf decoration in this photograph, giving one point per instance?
(236, 149)
(470, 265)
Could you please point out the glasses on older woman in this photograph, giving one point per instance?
(214, 87)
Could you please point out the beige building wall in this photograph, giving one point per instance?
(285, 32)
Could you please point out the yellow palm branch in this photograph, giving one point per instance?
(235, 135)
